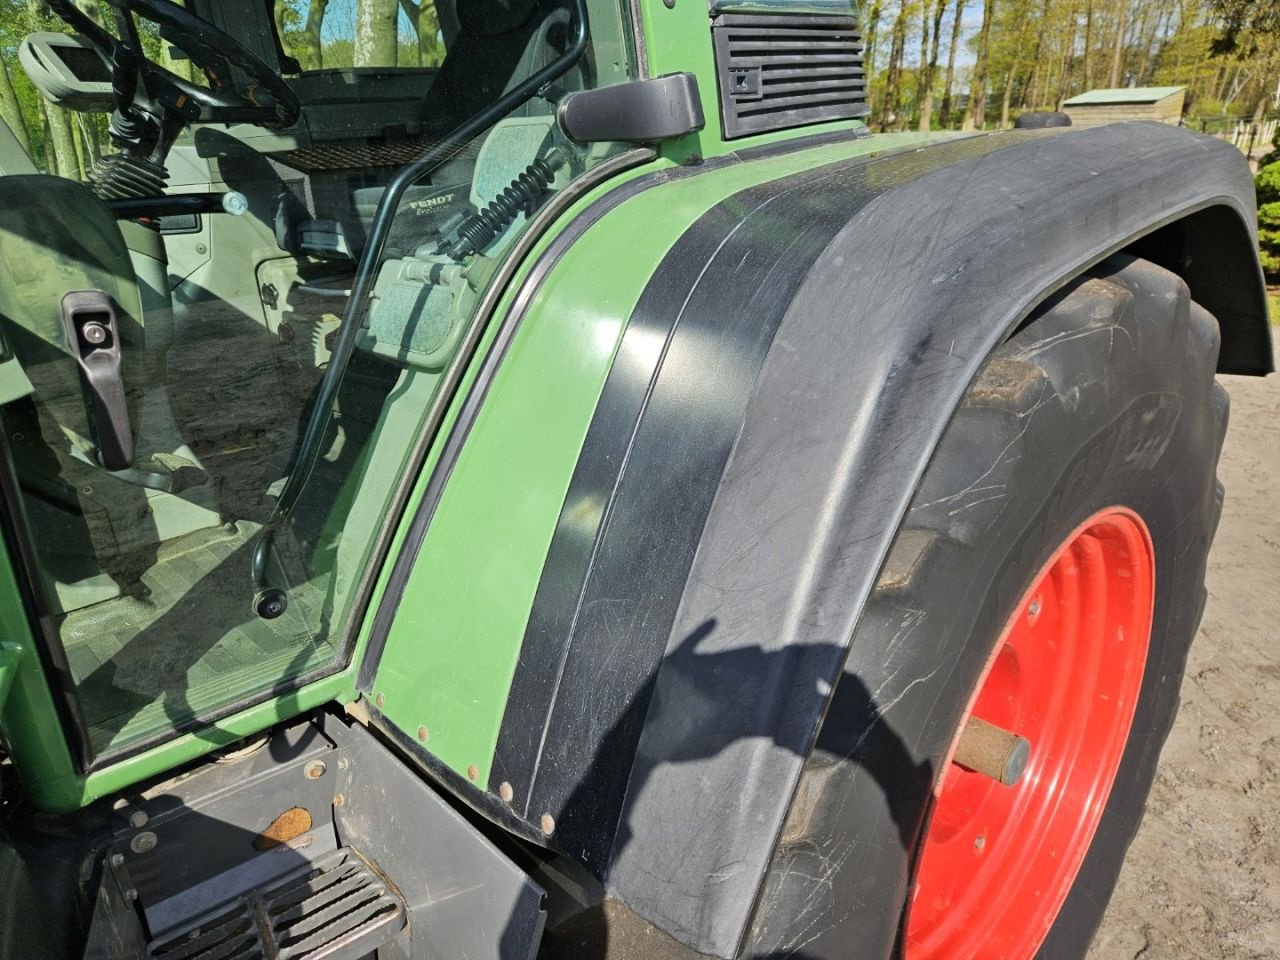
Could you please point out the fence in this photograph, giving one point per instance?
(1247, 136)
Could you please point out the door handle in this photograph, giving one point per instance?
(94, 338)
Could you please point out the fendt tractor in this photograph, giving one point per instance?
(586, 497)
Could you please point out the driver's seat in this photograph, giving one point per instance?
(500, 44)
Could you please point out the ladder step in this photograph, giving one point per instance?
(337, 908)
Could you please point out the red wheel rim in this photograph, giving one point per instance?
(997, 861)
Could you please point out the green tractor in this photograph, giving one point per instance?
(559, 487)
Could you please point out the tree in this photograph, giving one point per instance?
(426, 24)
(1113, 79)
(872, 22)
(375, 36)
(11, 110)
(977, 116)
(312, 46)
(929, 71)
(892, 96)
(944, 113)
(58, 136)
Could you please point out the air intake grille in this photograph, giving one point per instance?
(337, 909)
(777, 72)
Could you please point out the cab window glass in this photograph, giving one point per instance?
(330, 34)
(154, 421)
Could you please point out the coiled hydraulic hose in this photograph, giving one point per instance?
(520, 196)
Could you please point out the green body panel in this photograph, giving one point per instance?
(453, 648)
(678, 39)
(28, 718)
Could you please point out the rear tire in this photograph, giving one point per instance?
(1102, 405)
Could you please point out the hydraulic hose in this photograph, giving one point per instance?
(270, 602)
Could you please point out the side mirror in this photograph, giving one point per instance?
(642, 111)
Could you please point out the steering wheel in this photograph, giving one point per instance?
(267, 100)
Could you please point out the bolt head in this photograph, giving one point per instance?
(339, 800)
(144, 842)
(315, 770)
(472, 772)
(380, 700)
(94, 333)
(423, 734)
(138, 819)
(117, 859)
(548, 824)
(505, 792)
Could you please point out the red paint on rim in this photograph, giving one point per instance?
(997, 862)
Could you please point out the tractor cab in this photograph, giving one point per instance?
(219, 352)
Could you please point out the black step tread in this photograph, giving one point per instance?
(337, 908)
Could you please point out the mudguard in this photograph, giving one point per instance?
(777, 394)
(915, 287)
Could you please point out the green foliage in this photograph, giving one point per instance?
(1267, 184)
(1268, 188)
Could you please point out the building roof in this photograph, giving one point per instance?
(1122, 95)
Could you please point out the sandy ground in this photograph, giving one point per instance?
(1203, 876)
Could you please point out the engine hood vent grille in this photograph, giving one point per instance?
(783, 71)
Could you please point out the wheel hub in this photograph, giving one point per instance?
(1057, 698)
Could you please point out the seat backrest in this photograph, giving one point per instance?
(500, 43)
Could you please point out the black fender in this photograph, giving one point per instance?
(885, 332)
(820, 331)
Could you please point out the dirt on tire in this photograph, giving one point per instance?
(1202, 879)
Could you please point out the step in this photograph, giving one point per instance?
(337, 908)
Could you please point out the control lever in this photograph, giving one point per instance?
(93, 335)
(127, 126)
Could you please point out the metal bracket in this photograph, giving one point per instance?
(94, 338)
